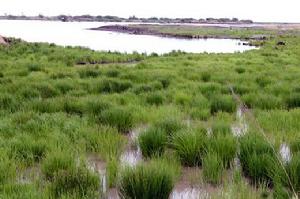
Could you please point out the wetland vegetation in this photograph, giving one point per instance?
(209, 122)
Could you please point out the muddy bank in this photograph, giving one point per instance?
(3, 40)
(147, 30)
(135, 30)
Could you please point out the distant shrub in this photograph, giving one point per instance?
(293, 101)
(113, 86)
(1, 75)
(152, 142)
(212, 168)
(223, 103)
(117, 117)
(76, 183)
(147, 181)
(155, 99)
(190, 147)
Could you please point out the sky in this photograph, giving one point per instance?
(257, 10)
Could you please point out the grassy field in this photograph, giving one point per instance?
(61, 106)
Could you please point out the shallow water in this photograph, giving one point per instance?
(285, 153)
(76, 34)
(190, 193)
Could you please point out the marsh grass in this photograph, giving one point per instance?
(212, 168)
(190, 146)
(27, 150)
(293, 101)
(57, 161)
(221, 128)
(119, 118)
(225, 146)
(257, 158)
(155, 99)
(75, 183)
(152, 180)
(223, 103)
(153, 142)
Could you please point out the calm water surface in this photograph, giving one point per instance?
(76, 34)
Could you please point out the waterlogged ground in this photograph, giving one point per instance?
(75, 123)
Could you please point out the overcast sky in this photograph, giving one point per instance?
(257, 10)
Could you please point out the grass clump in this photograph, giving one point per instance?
(75, 183)
(152, 180)
(212, 168)
(169, 125)
(225, 146)
(190, 147)
(119, 118)
(224, 103)
(155, 99)
(113, 86)
(153, 142)
(257, 158)
(221, 128)
(55, 162)
(293, 101)
(27, 150)
(97, 106)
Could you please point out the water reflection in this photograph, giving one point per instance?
(77, 34)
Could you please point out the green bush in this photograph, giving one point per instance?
(152, 142)
(148, 181)
(212, 168)
(223, 103)
(117, 117)
(190, 147)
